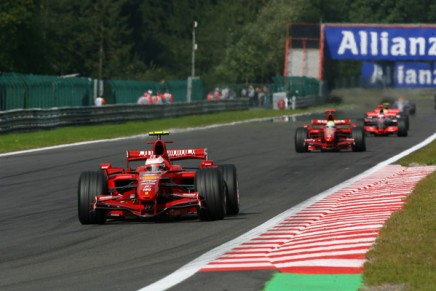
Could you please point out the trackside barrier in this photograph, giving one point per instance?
(303, 102)
(34, 119)
(281, 101)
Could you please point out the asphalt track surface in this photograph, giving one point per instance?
(44, 247)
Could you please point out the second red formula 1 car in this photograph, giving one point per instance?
(159, 187)
(330, 134)
(384, 121)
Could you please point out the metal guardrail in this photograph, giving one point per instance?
(34, 119)
(281, 101)
(303, 102)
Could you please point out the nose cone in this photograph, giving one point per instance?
(148, 186)
(329, 134)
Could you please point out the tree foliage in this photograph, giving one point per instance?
(238, 41)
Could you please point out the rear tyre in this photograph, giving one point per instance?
(358, 134)
(300, 137)
(412, 109)
(405, 116)
(402, 127)
(209, 184)
(232, 188)
(91, 184)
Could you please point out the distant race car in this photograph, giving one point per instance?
(158, 187)
(330, 134)
(384, 121)
(403, 105)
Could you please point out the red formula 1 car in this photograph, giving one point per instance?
(158, 187)
(330, 134)
(384, 121)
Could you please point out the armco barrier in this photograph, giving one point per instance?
(281, 101)
(34, 119)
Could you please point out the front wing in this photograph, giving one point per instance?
(381, 131)
(321, 145)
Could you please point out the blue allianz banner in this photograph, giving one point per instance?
(414, 75)
(393, 43)
(377, 74)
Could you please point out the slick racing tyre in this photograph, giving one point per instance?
(360, 122)
(358, 134)
(91, 184)
(209, 184)
(405, 116)
(412, 109)
(232, 188)
(300, 137)
(402, 127)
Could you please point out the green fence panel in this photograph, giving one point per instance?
(198, 93)
(41, 91)
(127, 92)
(296, 86)
(18, 91)
(73, 92)
(13, 91)
(179, 89)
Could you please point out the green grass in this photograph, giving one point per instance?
(404, 255)
(424, 156)
(22, 141)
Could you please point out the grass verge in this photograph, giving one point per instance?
(404, 255)
(30, 140)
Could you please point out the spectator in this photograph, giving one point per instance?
(156, 99)
(260, 96)
(210, 96)
(145, 99)
(251, 93)
(225, 93)
(168, 97)
(217, 94)
(99, 101)
(244, 92)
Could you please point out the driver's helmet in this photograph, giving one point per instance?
(330, 124)
(155, 164)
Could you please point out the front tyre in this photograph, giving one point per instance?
(402, 127)
(358, 134)
(91, 184)
(300, 139)
(209, 184)
(232, 188)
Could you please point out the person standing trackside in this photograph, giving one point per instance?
(99, 101)
(145, 99)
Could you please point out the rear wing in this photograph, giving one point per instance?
(173, 155)
(376, 114)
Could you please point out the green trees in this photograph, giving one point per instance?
(238, 41)
(21, 48)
